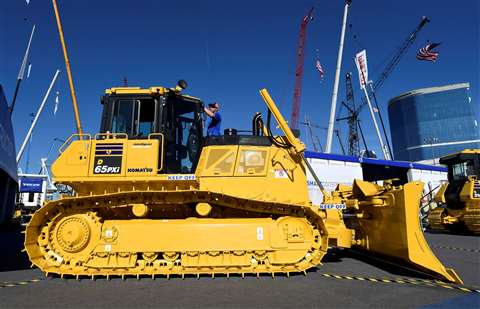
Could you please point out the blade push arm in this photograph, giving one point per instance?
(294, 142)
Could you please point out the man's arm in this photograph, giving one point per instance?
(209, 112)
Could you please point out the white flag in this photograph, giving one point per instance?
(29, 69)
(361, 62)
(56, 104)
(28, 2)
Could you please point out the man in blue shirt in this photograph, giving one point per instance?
(213, 125)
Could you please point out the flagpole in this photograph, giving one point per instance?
(385, 152)
(21, 72)
(29, 134)
(331, 121)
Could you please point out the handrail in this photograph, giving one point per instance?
(80, 137)
(111, 135)
(152, 136)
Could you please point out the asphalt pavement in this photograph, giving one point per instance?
(344, 280)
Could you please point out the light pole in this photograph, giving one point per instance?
(331, 121)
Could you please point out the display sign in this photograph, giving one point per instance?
(361, 62)
(31, 184)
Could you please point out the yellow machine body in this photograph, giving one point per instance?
(242, 207)
(459, 200)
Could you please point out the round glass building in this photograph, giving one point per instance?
(432, 122)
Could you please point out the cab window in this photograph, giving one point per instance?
(146, 119)
(122, 121)
(135, 117)
(463, 170)
(183, 135)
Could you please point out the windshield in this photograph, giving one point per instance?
(463, 170)
(122, 116)
(135, 117)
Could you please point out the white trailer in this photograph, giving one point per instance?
(333, 169)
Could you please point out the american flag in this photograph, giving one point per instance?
(319, 68)
(426, 53)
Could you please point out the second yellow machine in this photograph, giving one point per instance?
(156, 197)
(459, 199)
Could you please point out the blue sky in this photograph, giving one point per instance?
(226, 51)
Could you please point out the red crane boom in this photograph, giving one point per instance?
(299, 70)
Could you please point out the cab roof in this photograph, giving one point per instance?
(460, 156)
(156, 90)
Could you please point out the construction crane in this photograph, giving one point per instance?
(352, 118)
(317, 146)
(299, 69)
(337, 133)
(399, 54)
(375, 85)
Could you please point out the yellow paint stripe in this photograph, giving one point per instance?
(19, 283)
(413, 281)
(464, 289)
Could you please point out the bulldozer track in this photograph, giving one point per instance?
(472, 220)
(435, 220)
(87, 213)
(470, 223)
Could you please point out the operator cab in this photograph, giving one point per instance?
(144, 113)
(461, 166)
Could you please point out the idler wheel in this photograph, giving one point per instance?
(73, 234)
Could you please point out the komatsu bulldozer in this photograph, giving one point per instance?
(155, 197)
(459, 200)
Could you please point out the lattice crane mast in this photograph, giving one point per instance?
(317, 146)
(311, 125)
(299, 69)
(352, 118)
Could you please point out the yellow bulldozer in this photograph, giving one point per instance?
(155, 197)
(459, 200)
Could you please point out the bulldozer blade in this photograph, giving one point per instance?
(393, 230)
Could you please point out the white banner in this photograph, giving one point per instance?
(361, 62)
